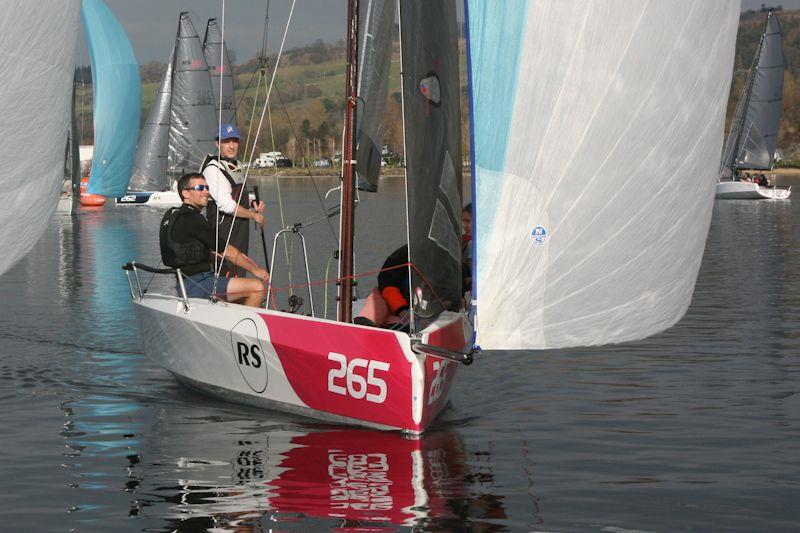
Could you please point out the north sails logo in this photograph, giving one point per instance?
(538, 235)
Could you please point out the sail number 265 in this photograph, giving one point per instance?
(357, 378)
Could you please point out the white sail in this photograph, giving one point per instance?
(597, 129)
(37, 59)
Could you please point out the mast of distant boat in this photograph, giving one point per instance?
(746, 94)
(345, 310)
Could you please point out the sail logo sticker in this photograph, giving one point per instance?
(538, 235)
(249, 355)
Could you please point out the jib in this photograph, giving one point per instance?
(248, 353)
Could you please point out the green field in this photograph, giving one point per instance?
(306, 106)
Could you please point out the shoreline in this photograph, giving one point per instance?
(778, 176)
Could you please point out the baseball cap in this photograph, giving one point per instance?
(229, 131)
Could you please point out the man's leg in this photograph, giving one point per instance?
(246, 291)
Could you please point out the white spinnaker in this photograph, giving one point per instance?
(37, 63)
(613, 148)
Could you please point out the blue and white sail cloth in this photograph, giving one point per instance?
(116, 88)
(597, 127)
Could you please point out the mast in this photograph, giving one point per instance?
(348, 169)
(748, 91)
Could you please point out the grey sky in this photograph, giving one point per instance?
(151, 24)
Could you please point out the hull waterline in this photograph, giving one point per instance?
(745, 190)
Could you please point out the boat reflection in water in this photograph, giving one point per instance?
(350, 479)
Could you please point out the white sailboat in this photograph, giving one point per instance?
(37, 57)
(754, 130)
(590, 121)
(178, 132)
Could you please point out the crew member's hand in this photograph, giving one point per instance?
(258, 207)
(261, 274)
(259, 218)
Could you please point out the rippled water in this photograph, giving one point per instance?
(695, 429)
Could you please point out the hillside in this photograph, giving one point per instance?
(308, 98)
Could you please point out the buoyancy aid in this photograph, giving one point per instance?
(179, 254)
(231, 170)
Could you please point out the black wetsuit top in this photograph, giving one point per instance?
(192, 225)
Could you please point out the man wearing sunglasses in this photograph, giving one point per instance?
(187, 242)
(229, 203)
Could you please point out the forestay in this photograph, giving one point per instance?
(214, 49)
(37, 59)
(150, 164)
(193, 120)
(431, 111)
(116, 89)
(754, 129)
(597, 129)
(375, 57)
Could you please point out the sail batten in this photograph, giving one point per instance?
(592, 207)
(116, 88)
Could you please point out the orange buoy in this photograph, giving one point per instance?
(90, 200)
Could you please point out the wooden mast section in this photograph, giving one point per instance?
(345, 313)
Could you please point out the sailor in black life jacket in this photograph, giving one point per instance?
(223, 176)
(187, 242)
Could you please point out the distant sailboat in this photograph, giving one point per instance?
(754, 130)
(37, 58)
(179, 130)
(213, 50)
(586, 138)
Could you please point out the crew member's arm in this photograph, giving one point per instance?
(241, 260)
(220, 189)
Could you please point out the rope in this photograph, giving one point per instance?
(255, 142)
(362, 275)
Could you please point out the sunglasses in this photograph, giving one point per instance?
(197, 188)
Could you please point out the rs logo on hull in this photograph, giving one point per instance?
(248, 355)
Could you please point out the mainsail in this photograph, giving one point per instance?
(116, 89)
(37, 59)
(214, 49)
(597, 126)
(192, 113)
(754, 129)
(432, 115)
(150, 164)
(375, 56)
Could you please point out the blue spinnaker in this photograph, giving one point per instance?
(117, 99)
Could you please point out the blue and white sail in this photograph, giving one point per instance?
(37, 58)
(597, 126)
(116, 88)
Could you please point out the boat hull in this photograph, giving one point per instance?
(327, 370)
(745, 190)
(150, 198)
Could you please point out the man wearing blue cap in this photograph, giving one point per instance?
(230, 201)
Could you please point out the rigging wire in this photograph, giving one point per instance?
(261, 121)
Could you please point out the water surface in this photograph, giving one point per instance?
(696, 429)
